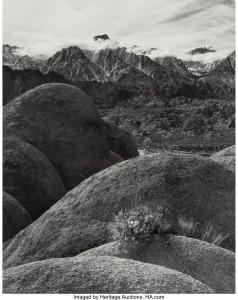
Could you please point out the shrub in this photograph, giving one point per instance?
(188, 227)
(139, 223)
(210, 235)
(195, 123)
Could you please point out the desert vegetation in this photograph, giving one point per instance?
(136, 224)
(181, 123)
(143, 223)
(188, 227)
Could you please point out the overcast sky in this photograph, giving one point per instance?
(172, 26)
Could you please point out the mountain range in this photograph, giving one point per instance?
(13, 59)
(17, 82)
(118, 74)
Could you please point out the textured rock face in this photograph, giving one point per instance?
(120, 141)
(78, 65)
(227, 161)
(210, 264)
(199, 68)
(230, 151)
(98, 275)
(225, 71)
(62, 122)
(221, 79)
(176, 68)
(109, 60)
(187, 185)
(115, 157)
(226, 157)
(30, 177)
(74, 65)
(168, 75)
(15, 217)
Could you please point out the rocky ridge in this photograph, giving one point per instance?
(162, 76)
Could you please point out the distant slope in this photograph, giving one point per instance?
(74, 65)
(221, 78)
(112, 75)
(224, 71)
(12, 59)
(17, 82)
(176, 68)
(105, 65)
(111, 59)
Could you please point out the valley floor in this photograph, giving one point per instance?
(200, 129)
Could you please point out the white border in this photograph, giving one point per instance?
(71, 296)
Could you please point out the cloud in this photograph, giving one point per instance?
(37, 44)
(185, 15)
(173, 27)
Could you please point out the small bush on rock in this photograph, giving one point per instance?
(188, 227)
(140, 223)
(210, 235)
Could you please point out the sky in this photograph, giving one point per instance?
(174, 27)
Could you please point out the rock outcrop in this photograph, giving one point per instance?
(187, 185)
(120, 141)
(104, 274)
(230, 151)
(30, 177)
(208, 263)
(53, 140)
(73, 65)
(227, 161)
(61, 121)
(226, 157)
(15, 217)
(221, 80)
(164, 76)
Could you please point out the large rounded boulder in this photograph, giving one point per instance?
(187, 185)
(15, 217)
(120, 141)
(102, 275)
(208, 263)
(30, 177)
(62, 122)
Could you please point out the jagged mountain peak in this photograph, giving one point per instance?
(175, 68)
(199, 68)
(74, 65)
(225, 70)
(70, 52)
(122, 64)
(110, 59)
